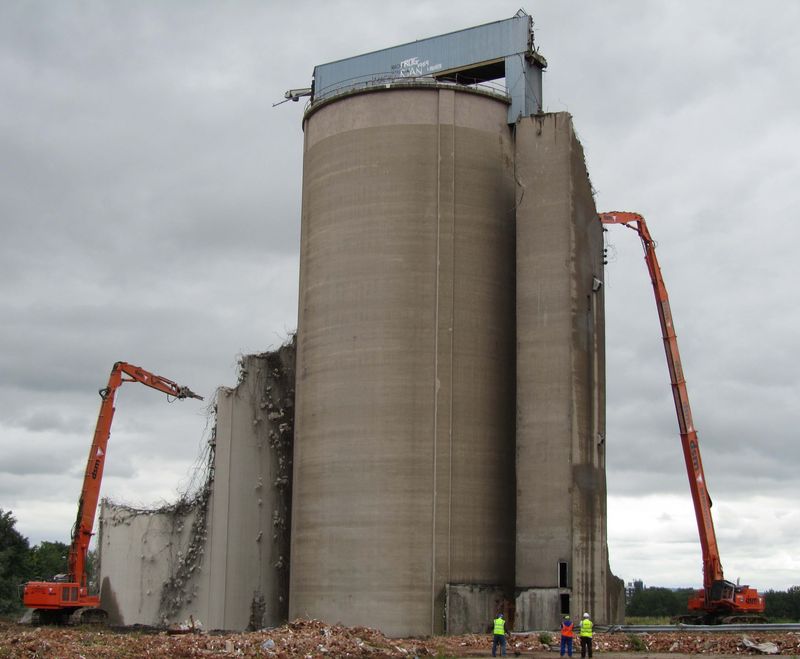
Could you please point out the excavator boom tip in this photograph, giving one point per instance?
(185, 392)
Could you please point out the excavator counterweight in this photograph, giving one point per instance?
(719, 600)
(66, 598)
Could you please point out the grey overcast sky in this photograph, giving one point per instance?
(150, 204)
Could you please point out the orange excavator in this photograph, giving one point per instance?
(66, 599)
(720, 601)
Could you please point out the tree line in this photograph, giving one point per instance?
(19, 562)
(655, 601)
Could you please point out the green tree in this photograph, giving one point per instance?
(783, 605)
(683, 595)
(92, 568)
(656, 602)
(794, 598)
(48, 559)
(14, 562)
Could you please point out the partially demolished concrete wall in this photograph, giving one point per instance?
(147, 557)
(561, 550)
(220, 556)
(250, 509)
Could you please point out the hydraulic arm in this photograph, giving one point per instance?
(58, 599)
(719, 597)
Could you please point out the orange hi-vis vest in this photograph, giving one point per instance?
(566, 629)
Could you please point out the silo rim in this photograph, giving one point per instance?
(394, 85)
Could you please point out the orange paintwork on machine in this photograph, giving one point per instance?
(719, 600)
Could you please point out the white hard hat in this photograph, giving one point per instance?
(585, 615)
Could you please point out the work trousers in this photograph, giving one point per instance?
(586, 643)
(501, 641)
(566, 645)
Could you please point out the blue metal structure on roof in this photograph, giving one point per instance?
(503, 49)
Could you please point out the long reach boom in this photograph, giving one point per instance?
(719, 600)
(68, 594)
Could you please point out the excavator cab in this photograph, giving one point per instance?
(723, 591)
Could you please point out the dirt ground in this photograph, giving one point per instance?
(315, 639)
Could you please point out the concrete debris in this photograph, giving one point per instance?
(314, 638)
(765, 648)
(688, 642)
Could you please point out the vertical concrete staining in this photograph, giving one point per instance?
(222, 556)
(561, 548)
(405, 345)
(471, 606)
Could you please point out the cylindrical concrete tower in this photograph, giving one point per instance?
(404, 444)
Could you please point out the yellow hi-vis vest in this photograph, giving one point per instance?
(586, 627)
(499, 627)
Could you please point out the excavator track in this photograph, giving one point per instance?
(743, 620)
(89, 615)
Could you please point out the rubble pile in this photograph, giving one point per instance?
(688, 642)
(678, 642)
(302, 638)
(316, 639)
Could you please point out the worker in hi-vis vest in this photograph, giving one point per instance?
(499, 636)
(586, 635)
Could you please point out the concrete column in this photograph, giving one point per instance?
(561, 546)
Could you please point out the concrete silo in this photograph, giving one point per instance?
(403, 466)
(449, 431)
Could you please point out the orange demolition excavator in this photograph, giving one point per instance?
(720, 601)
(66, 598)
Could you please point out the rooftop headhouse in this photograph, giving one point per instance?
(501, 51)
